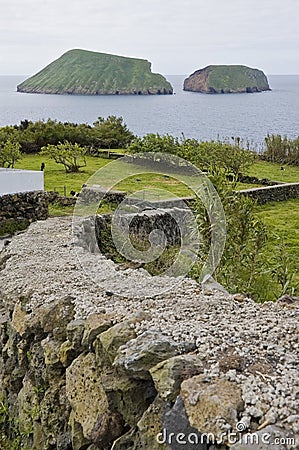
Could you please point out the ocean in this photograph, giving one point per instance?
(201, 116)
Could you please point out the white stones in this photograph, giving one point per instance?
(43, 267)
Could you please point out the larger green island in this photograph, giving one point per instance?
(85, 72)
(226, 79)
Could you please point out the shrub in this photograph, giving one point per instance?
(208, 156)
(281, 149)
(250, 264)
(111, 133)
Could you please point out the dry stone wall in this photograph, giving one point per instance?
(26, 206)
(277, 193)
(30, 206)
(84, 369)
(95, 384)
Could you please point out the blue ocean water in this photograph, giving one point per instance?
(202, 116)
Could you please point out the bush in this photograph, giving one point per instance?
(250, 264)
(207, 156)
(281, 150)
(32, 136)
(35, 135)
(156, 143)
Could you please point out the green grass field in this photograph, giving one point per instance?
(57, 180)
(282, 220)
(264, 169)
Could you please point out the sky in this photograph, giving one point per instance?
(177, 36)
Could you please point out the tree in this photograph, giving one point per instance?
(155, 143)
(112, 133)
(9, 133)
(32, 136)
(35, 135)
(71, 156)
(9, 153)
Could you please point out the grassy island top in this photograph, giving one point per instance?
(227, 79)
(86, 72)
(236, 76)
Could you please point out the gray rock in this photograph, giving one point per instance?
(141, 354)
(111, 340)
(95, 324)
(177, 432)
(75, 330)
(169, 374)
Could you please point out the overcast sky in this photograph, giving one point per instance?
(177, 36)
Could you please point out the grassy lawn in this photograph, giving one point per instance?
(264, 169)
(153, 181)
(282, 218)
(56, 179)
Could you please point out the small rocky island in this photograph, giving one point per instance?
(227, 79)
(84, 72)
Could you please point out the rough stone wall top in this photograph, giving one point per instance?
(165, 361)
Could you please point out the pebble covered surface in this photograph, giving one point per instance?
(255, 345)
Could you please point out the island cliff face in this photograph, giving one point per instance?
(227, 80)
(84, 72)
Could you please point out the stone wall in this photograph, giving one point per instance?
(19, 210)
(255, 180)
(95, 384)
(68, 385)
(82, 368)
(278, 193)
(95, 233)
(272, 191)
(23, 207)
(94, 194)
